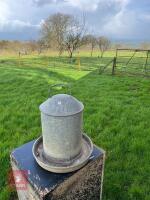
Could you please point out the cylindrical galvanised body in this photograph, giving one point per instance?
(62, 121)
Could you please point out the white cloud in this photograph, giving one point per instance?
(123, 3)
(145, 17)
(7, 20)
(4, 10)
(122, 24)
(114, 18)
(87, 5)
(44, 2)
(13, 25)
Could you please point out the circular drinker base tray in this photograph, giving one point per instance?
(53, 165)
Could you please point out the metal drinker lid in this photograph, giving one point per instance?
(61, 105)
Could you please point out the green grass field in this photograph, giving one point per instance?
(116, 117)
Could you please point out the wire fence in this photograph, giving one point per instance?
(126, 61)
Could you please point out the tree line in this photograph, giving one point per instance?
(64, 33)
(61, 32)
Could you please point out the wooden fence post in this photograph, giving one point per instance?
(146, 61)
(114, 66)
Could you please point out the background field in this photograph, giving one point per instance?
(116, 116)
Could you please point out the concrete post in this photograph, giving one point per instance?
(84, 184)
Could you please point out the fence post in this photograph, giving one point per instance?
(114, 65)
(19, 58)
(146, 61)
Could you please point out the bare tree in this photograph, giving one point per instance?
(41, 46)
(74, 35)
(90, 40)
(24, 48)
(54, 30)
(17, 46)
(64, 32)
(118, 45)
(104, 44)
(32, 46)
(145, 45)
(4, 45)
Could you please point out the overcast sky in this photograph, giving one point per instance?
(117, 19)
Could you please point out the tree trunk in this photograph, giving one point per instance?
(71, 54)
(102, 54)
(60, 53)
(91, 52)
